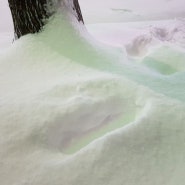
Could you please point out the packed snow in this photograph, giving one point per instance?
(104, 108)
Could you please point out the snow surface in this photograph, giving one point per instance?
(74, 111)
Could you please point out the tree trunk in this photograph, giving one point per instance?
(29, 16)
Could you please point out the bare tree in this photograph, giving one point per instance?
(29, 16)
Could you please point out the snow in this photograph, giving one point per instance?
(131, 10)
(76, 111)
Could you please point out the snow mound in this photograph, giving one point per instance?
(76, 112)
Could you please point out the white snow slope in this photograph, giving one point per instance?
(74, 111)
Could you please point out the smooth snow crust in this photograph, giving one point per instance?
(74, 111)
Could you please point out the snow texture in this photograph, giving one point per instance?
(76, 111)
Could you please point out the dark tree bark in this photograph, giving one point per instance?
(29, 16)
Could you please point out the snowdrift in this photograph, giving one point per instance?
(74, 111)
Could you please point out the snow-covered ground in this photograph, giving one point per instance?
(74, 111)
